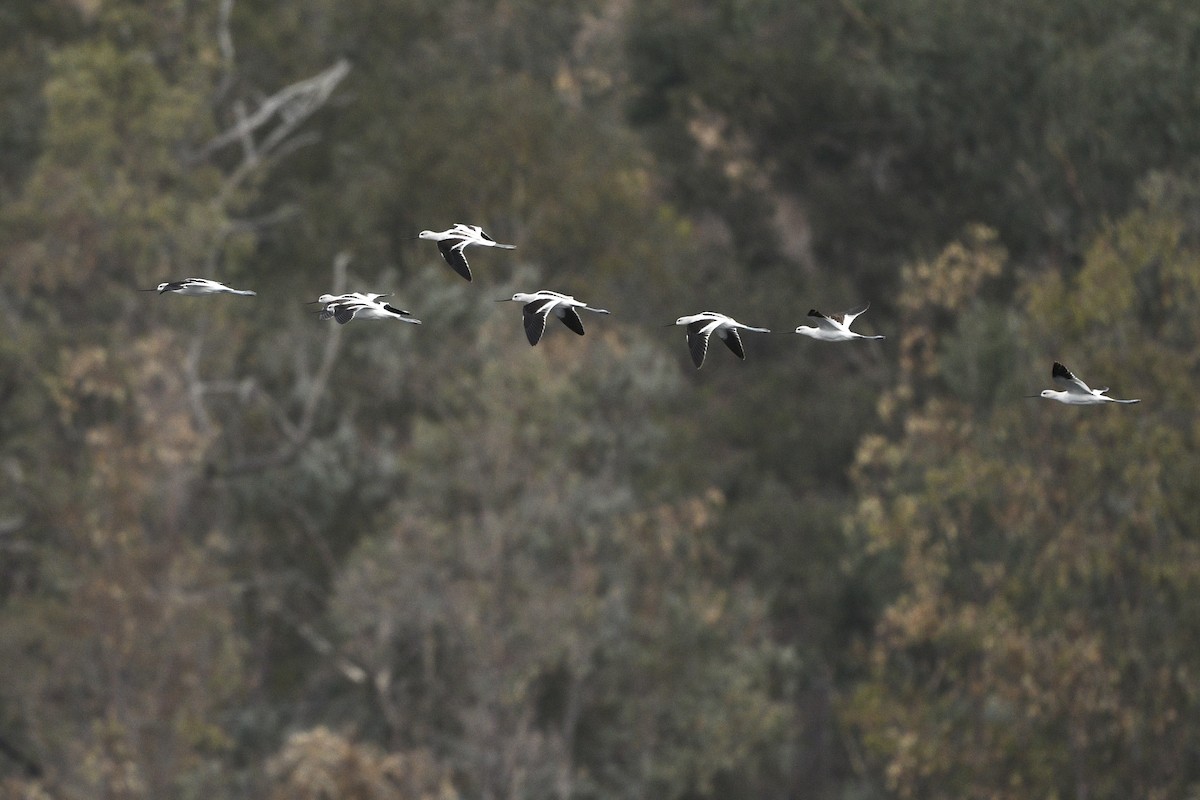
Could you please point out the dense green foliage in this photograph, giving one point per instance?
(247, 554)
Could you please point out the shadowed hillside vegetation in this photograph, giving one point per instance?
(248, 553)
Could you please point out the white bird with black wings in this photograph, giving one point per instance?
(703, 325)
(540, 305)
(1075, 392)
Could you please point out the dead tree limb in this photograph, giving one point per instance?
(225, 45)
(288, 107)
(296, 435)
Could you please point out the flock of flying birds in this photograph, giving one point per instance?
(538, 306)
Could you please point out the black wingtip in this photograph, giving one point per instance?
(455, 258)
(570, 318)
(698, 347)
(535, 325)
(1059, 371)
(734, 343)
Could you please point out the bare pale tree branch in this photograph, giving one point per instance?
(289, 107)
(349, 670)
(196, 386)
(297, 435)
(225, 44)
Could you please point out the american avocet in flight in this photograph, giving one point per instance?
(835, 327)
(539, 305)
(701, 326)
(346, 307)
(197, 286)
(453, 241)
(1075, 392)
(329, 299)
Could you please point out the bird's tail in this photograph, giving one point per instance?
(1128, 402)
(245, 292)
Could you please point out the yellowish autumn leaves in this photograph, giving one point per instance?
(1046, 628)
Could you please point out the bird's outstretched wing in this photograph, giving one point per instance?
(697, 338)
(1063, 377)
(344, 313)
(734, 342)
(824, 322)
(849, 316)
(570, 318)
(452, 251)
(534, 316)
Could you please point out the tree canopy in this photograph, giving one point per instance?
(248, 553)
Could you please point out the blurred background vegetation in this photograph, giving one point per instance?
(245, 554)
